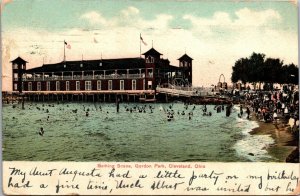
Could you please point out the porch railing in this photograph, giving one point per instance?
(84, 77)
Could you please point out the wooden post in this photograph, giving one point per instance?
(23, 102)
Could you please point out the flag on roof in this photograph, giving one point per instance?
(68, 45)
(143, 40)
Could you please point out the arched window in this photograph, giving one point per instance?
(57, 85)
(67, 85)
(149, 59)
(99, 85)
(48, 86)
(39, 86)
(29, 86)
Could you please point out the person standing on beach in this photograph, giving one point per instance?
(278, 106)
(248, 112)
(241, 110)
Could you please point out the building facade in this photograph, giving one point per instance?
(119, 75)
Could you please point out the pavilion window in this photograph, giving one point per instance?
(149, 84)
(133, 85)
(149, 59)
(39, 86)
(15, 87)
(67, 85)
(57, 85)
(81, 65)
(99, 85)
(88, 85)
(150, 72)
(48, 86)
(78, 85)
(121, 84)
(109, 84)
(29, 86)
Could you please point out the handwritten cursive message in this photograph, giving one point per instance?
(149, 178)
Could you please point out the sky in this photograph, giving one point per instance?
(214, 33)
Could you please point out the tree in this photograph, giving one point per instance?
(290, 73)
(272, 70)
(240, 70)
(257, 69)
(256, 72)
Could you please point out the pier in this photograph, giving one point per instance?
(88, 96)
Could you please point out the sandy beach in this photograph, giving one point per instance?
(285, 145)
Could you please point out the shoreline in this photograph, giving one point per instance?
(285, 145)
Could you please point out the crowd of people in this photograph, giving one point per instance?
(270, 106)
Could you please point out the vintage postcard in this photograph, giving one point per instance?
(150, 97)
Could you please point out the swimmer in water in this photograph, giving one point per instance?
(41, 132)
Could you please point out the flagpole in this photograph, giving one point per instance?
(140, 45)
(64, 51)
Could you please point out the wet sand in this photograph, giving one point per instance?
(285, 142)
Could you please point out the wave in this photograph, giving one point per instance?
(252, 147)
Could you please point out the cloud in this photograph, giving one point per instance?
(130, 11)
(250, 18)
(244, 19)
(161, 21)
(94, 17)
(128, 17)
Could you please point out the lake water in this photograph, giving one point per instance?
(105, 135)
